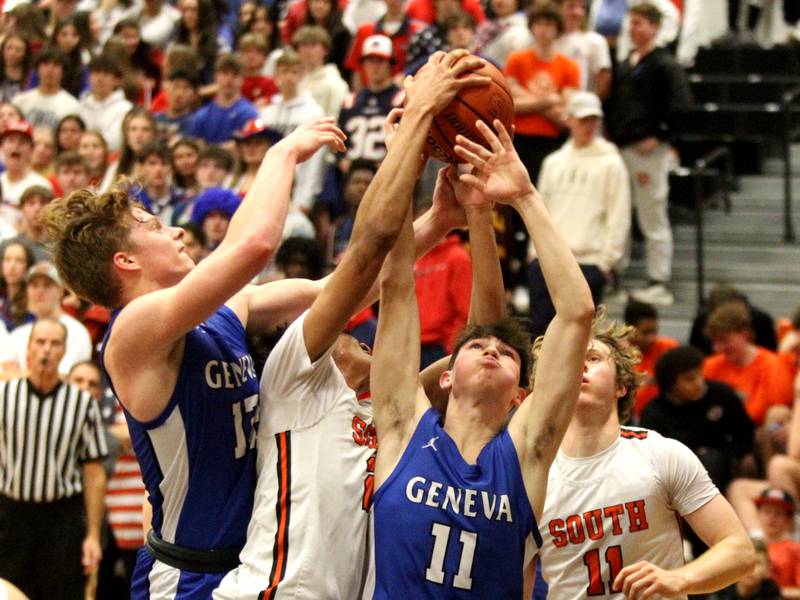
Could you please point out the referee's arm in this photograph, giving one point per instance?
(94, 450)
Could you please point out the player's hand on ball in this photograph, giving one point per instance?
(391, 125)
(308, 138)
(498, 173)
(443, 76)
(643, 580)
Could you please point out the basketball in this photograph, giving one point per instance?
(485, 102)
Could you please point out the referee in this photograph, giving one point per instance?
(52, 481)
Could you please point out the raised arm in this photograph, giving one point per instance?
(386, 202)
(398, 400)
(539, 425)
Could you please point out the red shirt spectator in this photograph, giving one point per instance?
(400, 40)
(423, 10)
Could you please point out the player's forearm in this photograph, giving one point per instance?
(488, 301)
(94, 491)
(261, 216)
(565, 281)
(724, 563)
(793, 447)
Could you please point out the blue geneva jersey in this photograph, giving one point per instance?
(198, 458)
(448, 529)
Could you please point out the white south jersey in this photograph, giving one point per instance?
(308, 536)
(621, 506)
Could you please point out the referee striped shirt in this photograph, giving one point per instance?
(44, 439)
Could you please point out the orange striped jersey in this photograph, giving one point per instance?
(308, 534)
(124, 496)
(621, 506)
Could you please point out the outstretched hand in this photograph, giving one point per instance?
(498, 172)
(443, 76)
(308, 138)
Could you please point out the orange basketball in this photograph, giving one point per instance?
(485, 102)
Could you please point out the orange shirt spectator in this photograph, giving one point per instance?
(541, 76)
(647, 367)
(784, 555)
(444, 283)
(423, 10)
(762, 382)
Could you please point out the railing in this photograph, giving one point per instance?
(789, 135)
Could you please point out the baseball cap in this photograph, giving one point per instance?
(377, 45)
(778, 497)
(22, 127)
(584, 104)
(44, 269)
(214, 199)
(257, 127)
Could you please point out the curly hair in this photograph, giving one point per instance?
(86, 229)
(624, 355)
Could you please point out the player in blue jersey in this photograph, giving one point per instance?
(177, 358)
(456, 502)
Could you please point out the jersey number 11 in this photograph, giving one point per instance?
(435, 571)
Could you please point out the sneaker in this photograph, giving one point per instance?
(616, 296)
(656, 293)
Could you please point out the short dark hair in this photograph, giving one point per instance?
(511, 332)
(36, 191)
(105, 64)
(186, 75)
(459, 19)
(547, 11)
(639, 311)
(49, 54)
(196, 231)
(69, 159)
(728, 317)
(155, 148)
(360, 164)
(218, 154)
(674, 363)
(307, 250)
(648, 11)
(228, 63)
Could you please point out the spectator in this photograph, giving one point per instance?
(776, 511)
(505, 32)
(760, 377)
(67, 41)
(762, 323)
(214, 167)
(198, 29)
(156, 191)
(585, 188)
(181, 93)
(15, 260)
(68, 133)
(427, 11)
(650, 90)
(300, 257)
(355, 185)
(92, 147)
(256, 87)
(252, 143)
(15, 64)
(706, 416)
(326, 14)
(45, 292)
(16, 144)
(53, 477)
(111, 12)
(143, 59)
(179, 57)
(8, 113)
(138, 128)
(755, 586)
(263, 22)
(394, 24)
(323, 81)
(443, 280)
(157, 20)
(48, 102)
(185, 156)
(587, 48)
(644, 320)
(194, 241)
(30, 230)
(364, 112)
(132, 84)
(44, 150)
(540, 80)
(104, 106)
(228, 111)
(72, 173)
(432, 39)
(288, 110)
(27, 21)
(212, 211)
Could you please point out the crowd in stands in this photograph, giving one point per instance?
(180, 101)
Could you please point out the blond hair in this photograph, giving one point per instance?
(624, 355)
